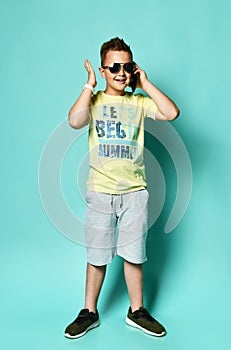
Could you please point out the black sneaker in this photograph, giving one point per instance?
(143, 320)
(84, 322)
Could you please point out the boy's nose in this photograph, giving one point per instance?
(122, 71)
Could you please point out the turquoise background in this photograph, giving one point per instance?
(185, 48)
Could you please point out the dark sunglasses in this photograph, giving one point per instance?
(129, 67)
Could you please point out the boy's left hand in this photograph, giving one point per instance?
(142, 77)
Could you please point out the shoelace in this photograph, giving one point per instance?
(82, 317)
(145, 314)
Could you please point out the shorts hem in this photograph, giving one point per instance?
(100, 263)
(133, 261)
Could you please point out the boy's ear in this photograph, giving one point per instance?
(101, 70)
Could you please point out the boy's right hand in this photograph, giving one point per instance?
(91, 73)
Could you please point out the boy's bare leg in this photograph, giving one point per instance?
(94, 281)
(134, 278)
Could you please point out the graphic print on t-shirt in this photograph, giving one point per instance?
(117, 138)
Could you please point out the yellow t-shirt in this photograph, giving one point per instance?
(116, 141)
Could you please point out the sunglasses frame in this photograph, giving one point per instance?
(120, 66)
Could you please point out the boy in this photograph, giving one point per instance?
(117, 195)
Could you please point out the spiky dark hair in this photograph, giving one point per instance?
(114, 44)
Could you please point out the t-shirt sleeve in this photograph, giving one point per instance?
(149, 107)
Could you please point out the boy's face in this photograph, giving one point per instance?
(116, 82)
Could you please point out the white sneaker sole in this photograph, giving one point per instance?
(133, 324)
(93, 325)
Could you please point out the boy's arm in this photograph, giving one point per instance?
(78, 114)
(167, 110)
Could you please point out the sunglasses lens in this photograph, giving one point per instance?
(114, 68)
(129, 67)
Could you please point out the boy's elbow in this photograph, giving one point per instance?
(175, 114)
(72, 122)
(75, 123)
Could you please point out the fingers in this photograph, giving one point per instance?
(91, 73)
(138, 69)
(87, 65)
(141, 72)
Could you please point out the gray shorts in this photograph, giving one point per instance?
(116, 225)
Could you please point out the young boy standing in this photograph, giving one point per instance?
(117, 196)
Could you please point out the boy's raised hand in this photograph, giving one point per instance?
(91, 73)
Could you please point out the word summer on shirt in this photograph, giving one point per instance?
(118, 131)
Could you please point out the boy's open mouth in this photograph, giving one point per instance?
(120, 80)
